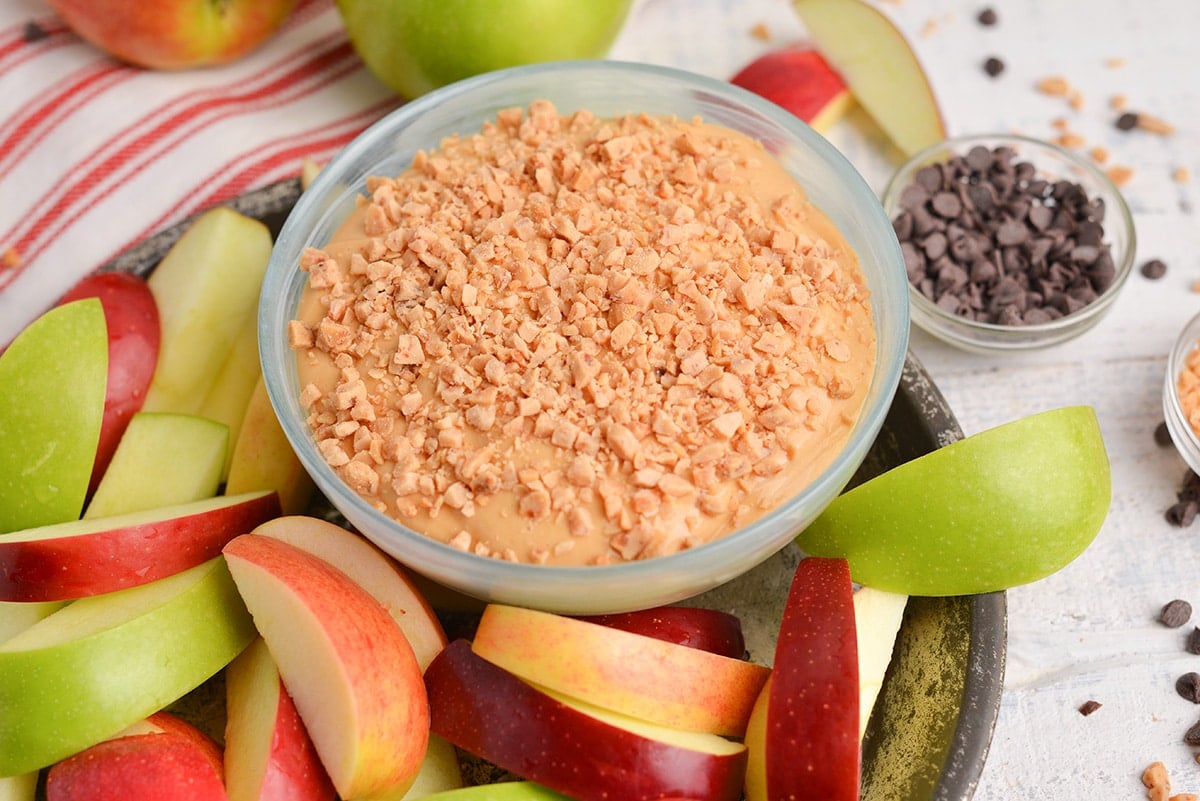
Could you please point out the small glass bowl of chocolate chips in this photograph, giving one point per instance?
(1010, 242)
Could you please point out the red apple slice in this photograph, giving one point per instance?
(131, 315)
(877, 62)
(799, 79)
(164, 759)
(268, 753)
(694, 626)
(105, 554)
(576, 749)
(643, 677)
(803, 736)
(349, 667)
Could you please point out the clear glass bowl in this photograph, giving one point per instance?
(1052, 162)
(607, 88)
(1182, 434)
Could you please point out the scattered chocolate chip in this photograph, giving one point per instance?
(1162, 435)
(1175, 613)
(993, 66)
(1192, 735)
(1188, 686)
(1192, 646)
(1127, 121)
(985, 238)
(1154, 269)
(1183, 513)
(1088, 707)
(988, 17)
(33, 32)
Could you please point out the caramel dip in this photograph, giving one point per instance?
(580, 341)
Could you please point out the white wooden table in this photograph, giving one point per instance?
(1090, 631)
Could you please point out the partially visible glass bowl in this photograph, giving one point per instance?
(606, 88)
(1052, 163)
(1178, 410)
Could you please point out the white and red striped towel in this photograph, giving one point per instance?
(95, 155)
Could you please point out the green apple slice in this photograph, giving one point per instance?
(234, 384)
(102, 663)
(1000, 508)
(499, 791)
(879, 65)
(144, 474)
(206, 287)
(262, 457)
(52, 382)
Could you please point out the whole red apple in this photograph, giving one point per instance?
(174, 34)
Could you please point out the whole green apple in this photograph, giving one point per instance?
(415, 46)
(1000, 508)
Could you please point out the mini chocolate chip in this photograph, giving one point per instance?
(1127, 121)
(1188, 686)
(1192, 735)
(1088, 707)
(1154, 269)
(1162, 435)
(33, 32)
(993, 66)
(987, 16)
(1192, 646)
(1182, 514)
(1175, 613)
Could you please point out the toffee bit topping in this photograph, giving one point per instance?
(561, 314)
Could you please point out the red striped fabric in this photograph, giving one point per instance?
(95, 154)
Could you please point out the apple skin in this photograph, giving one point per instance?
(1000, 508)
(879, 65)
(100, 664)
(643, 677)
(48, 437)
(710, 630)
(572, 748)
(799, 79)
(415, 46)
(350, 670)
(499, 791)
(174, 34)
(131, 315)
(268, 753)
(173, 761)
(102, 555)
(803, 740)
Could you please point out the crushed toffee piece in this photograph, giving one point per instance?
(574, 340)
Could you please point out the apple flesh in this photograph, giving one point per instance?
(168, 759)
(102, 555)
(803, 740)
(206, 287)
(262, 457)
(643, 677)
(48, 436)
(233, 386)
(573, 748)
(415, 46)
(268, 753)
(799, 79)
(878, 616)
(877, 62)
(694, 626)
(174, 34)
(131, 316)
(146, 474)
(349, 667)
(100, 664)
(499, 791)
(1000, 508)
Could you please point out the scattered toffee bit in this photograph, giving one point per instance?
(1192, 645)
(1156, 781)
(1054, 86)
(1175, 613)
(1127, 121)
(988, 17)
(1162, 435)
(1146, 122)
(1188, 686)
(1154, 269)
(1088, 707)
(993, 66)
(34, 32)
(986, 238)
(1192, 735)
(10, 259)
